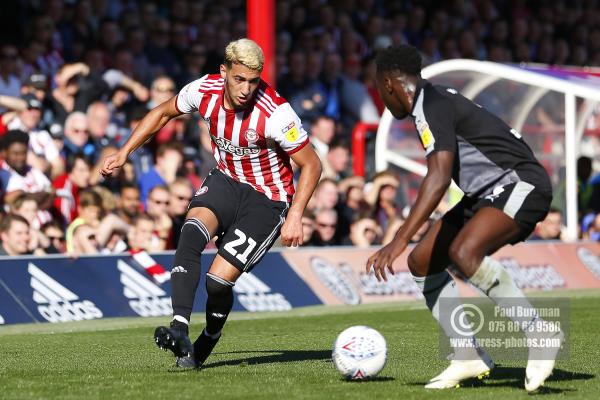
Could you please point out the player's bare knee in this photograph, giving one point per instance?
(415, 265)
(206, 216)
(465, 256)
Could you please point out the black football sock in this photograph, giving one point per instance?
(185, 274)
(218, 304)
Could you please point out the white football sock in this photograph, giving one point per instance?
(181, 319)
(441, 285)
(494, 281)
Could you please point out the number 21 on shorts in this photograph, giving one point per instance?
(231, 246)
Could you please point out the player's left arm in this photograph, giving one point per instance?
(310, 172)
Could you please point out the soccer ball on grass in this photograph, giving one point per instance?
(359, 352)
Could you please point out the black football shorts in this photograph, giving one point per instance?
(249, 222)
(521, 201)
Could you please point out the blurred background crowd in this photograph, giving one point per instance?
(76, 76)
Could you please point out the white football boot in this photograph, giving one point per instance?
(459, 370)
(538, 370)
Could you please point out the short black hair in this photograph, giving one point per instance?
(401, 57)
(14, 136)
(129, 185)
(72, 159)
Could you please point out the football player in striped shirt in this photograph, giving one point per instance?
(247, 201)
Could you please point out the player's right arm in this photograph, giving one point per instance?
(148, 126)
(186, 101)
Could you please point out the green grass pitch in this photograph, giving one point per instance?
(271, 356)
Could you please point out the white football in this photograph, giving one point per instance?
(359, 352)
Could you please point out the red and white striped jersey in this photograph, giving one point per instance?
(252, 146)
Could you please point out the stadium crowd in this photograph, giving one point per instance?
(76, 76)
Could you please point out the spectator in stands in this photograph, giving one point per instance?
(168, 161)
(364, 232)
(181, 193)
(592, 230)
(157, 207)
(142, 236)
(550, 228)
(35, 84)
(326, 195)
(98, 116)
(55, 235)
(337, 160)
(25, 205)
(382, 198)
(81, 233)
(69, 185)
(63, 96)
(77, 136)
(326, 223)
(348, 100)
(306, 95)
(92, 232)
(14, 232)
(322, 132)
(130, 205)
(355, 205)
(162, 89)
(308, 227)
(43, 153)
(10, 84)
(23, 178)
(194, 65)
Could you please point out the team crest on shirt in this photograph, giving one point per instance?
(425, 134)
(251, 135)
(291, 132)
(201, 191)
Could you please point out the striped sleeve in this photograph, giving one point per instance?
(188, 98)
(285, 128)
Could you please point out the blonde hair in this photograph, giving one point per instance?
(245, 52)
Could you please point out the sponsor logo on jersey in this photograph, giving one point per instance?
(227, 146)
(55, 302)
(291, 132)
(425, 134)
(201, 191)
(255, 295)
(146, 298)
(251, 135)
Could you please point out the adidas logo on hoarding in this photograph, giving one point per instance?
(1, 320)
(56, 302)
(255, 295)
(146, 297)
